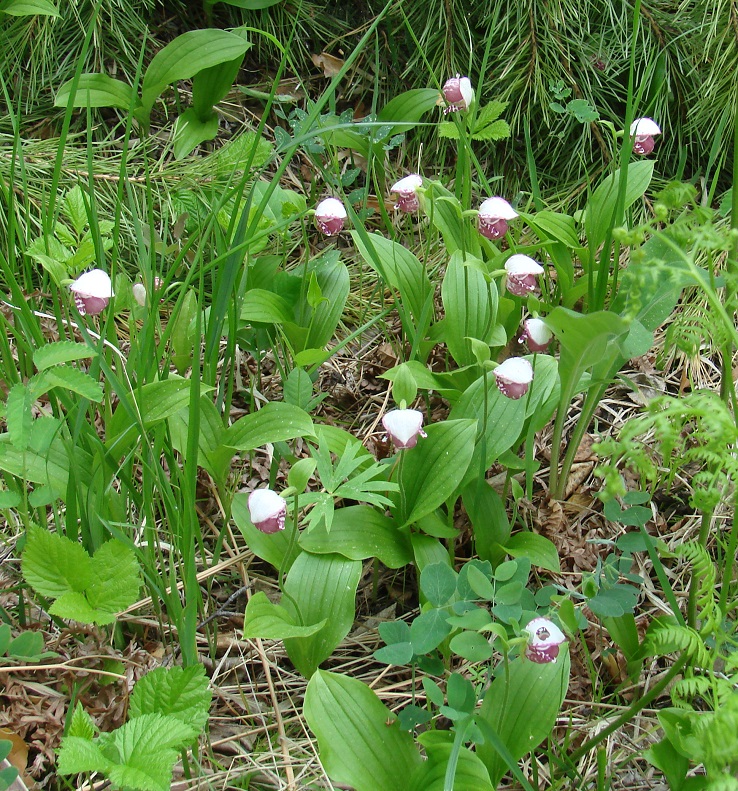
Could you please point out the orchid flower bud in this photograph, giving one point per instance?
(407, 193)
(403, 426)
(459, 94)
(522, 274)
(536, 334)
(644, 130)
(330, 216)
(544, 641)
(92, 291)
(139, 293)
(267, 510)
(513, 377)
(493, 216)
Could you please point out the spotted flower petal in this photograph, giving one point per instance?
(92, 291)
(522, 274)
(513, 377)
(494, 214)
(330, 216)
(545, 639)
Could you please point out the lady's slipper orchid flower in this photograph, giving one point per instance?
(493, 216)
(139, 290)
(92, 291)
(407, 193)
(522, 274)
(513, 377)
(537, 335)
(403, 427)
(644, 130)
(267, 510)
(459, 94)
(330, 216)
(545, 639)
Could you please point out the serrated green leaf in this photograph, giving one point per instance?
(357, 746)
(74, 380)
(499, 130)
(448, 129)
(18, 415)
(73, 606)
(490, 112)
(146, 751)
(78, 754)
(270, 621)
(81, 724)
(61, 352)
(53, 565)
(115, 582)
(179, 692)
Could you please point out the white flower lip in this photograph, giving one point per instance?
(537, 331)
(520, 264)
(542, 631)
(331, 207)
(467, 91)
(407, 185)
(404, 426)
(644, 127)
(264, 504)
(516, 370)
(94, 283)
(497, 209)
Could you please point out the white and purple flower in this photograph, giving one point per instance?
(522, 274)
(644, 130)
(92, 291)
(494, 214)
(404, 426)
(513, 377)
(545, 639)
(267, 510)
(407, 193)
(536, 334)
(458, 93)
(330, 216)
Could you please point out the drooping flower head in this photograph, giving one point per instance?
(644, 130)
(330, 216)
(92, 291)
(544, 640)
(536, 334)
(459, 94)
(404, 426)
(513, 377)
(494, 214)
(267, 510)
(139, 290)
(522, 274)
(407, 193)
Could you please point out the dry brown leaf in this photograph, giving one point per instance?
(330, 64)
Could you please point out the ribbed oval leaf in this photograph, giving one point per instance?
(187, 55)
(274, 422)
(96, 90)
(358, 747)
(435, 467)
(360, 532)
(324, 587)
